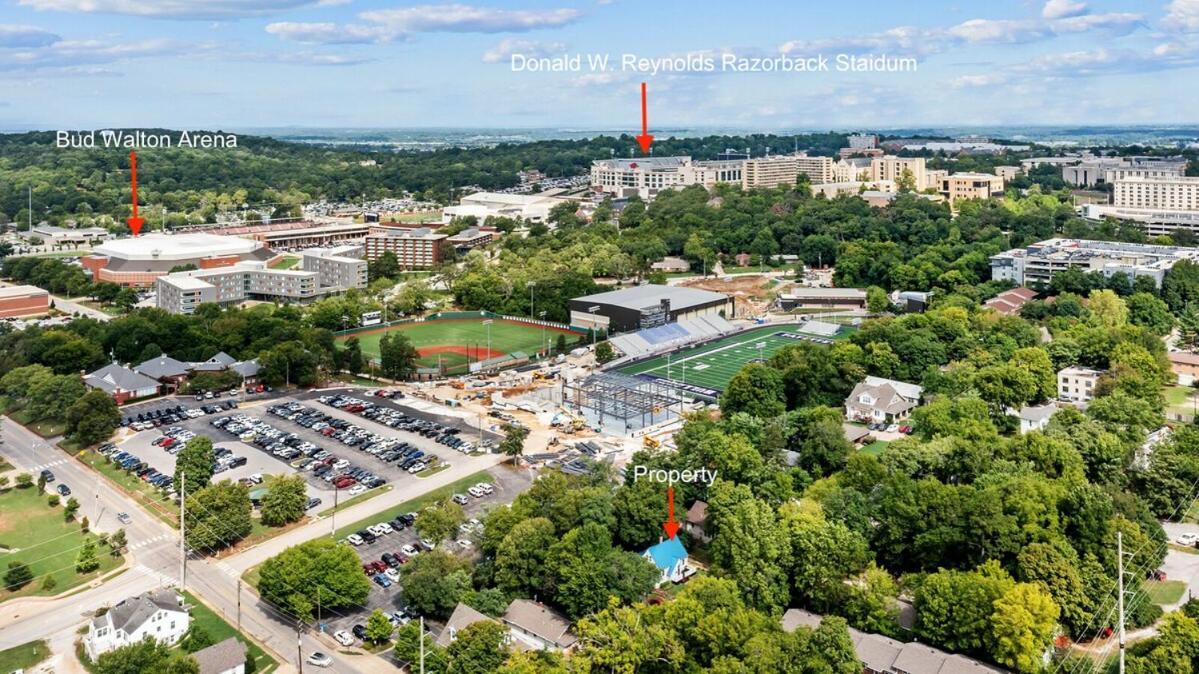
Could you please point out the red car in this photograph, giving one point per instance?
(344, 481)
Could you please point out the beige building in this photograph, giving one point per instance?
(772, 171)
(646, 176)
(895, 168)
(817, 169)
(834, 190)
(1167, 194)
(418, 248)
(1077, 384)
(1008, 173)
(957, 186)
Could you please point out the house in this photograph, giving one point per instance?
(225, 657)
(883, 655)
(1185, 366)
(671, 265)
(671, 559)
(534, 625)
(1010, 301)
(697, 515)
(742, 259)
(218, 363)
(462, 616)
(121, 383)
(168, 371)
(1077, 384)
(248, 369)
(1035, 417)
(1144, 453)
(857, 435)
(159, 615)
(878, 400)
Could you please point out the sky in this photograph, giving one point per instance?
(236, 64)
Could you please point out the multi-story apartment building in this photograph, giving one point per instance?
(322, 271)
(896, 169)
(1039, 262)
(780, 169)
(817, 169)
(1077, 384)
(969, 186)
(418, 248)
(472, 237)
(1166, 194)
(862, 141)
(646, 176)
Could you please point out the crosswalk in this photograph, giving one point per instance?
(162, 578)
(225, 568)
(150, 541)
(44, 466)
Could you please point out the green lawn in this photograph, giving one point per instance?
(33, 532)
(1165, 592)
(876, 447)
(220, 630)
(287, 262)
(149, 497)
(24, 656)
(354, 500)
(47, 428)
(455, 341)
(415, 504)
(712, 365)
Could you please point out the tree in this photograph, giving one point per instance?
(397, 356)
(285, 500)
(17, 576)
(756, 389)
(71, 508)
(954, 608)
(194, 464)
(439, 522)
(479, 648)
(754, 550)
(433, 582)
(877, 301)
(604, 352)
(147, 655)
(1107, 309)
(118, 541)
(378, 627)
(196, 638)
(1149, 312)
(1023, 623)
(823, 554)
(520, 557)
(217, 516)
(87, 561)
(41, 484)
(24, 480)
(319, 570)
(352, 356)
(92, 418)
(513, 444)
(384, 266)
(408, 647)
(640, 510)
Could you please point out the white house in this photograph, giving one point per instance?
(533, 625)
(1035, 417)
(671, 559)
(879, 400)
(224, 657)
(159, 615)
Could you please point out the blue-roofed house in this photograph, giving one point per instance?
(671, 559)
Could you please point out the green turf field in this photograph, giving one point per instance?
(714, 364)
(455, 341)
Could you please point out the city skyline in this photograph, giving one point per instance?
(364, 63)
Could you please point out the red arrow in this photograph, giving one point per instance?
(644, 140)
(670, 526)
(135, 223)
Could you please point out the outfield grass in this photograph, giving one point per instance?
(455, 341)
(712, 365)
(33, 532)
(24, 656)
(1165, 592)
(220, 630)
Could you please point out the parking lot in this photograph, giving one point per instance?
(506, 483)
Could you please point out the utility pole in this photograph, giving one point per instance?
(1120, 586)
(299, 646)
(31, 210)
(422, 645)
(239, 605)
(333, 513)
(183, 531)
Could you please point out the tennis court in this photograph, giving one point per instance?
(712, 365)
(452, 343)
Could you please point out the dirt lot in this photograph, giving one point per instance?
(751, 290)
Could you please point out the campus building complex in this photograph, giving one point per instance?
(1101, 170)
(139, 261)
(483, 205)
(321, 271)
(957, 186)
(646, 176)
(418, 248)
(1039, 262)
(19, 301)
(646, 306)
(1160, 205)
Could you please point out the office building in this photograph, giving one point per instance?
(774, 171)
(1091, 172)
(645, 177)
(956, 186)
(817, 169)
(138, 261)
(60, 236)
(1177, 193)
(418, 248)
(1039, 262)
(322, 271)
(18, 301)
(645, 306)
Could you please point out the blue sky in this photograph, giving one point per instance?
(390, 63)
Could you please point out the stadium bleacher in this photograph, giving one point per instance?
(663, 337)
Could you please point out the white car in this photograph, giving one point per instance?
(476, 492)
(465, 544)
(1187, 539)
(409, 550)
(356, 490)
(385, 527)
(344, 638)
(319, 659)
(393, 574)
(485, 488)
(354, 539)
(893, 428)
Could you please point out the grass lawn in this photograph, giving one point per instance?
(24, 656)
(355, 500)
(149, 497)
(415, 504)
(220, 630)
(1186, 549)
(33, 532)
(455, 341)
(287, 262)
(875, 447)
(47, 428)
(109, 309)
(1165, 592)
(434, 470)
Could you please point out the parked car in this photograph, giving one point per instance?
(343, 637)
(319, 659)
(63, 490)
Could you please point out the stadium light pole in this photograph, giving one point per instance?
(488, 324)
(761, 345)
(531, 285)
(545, 340)
(592, 310)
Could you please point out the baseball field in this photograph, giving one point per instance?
(453, 343)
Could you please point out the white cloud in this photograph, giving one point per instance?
(1057, 9)
(390, 25)
(171, 9)
(76, 54)
(509, 46)
(25, 36)
(1090, 63)
(1182, 15)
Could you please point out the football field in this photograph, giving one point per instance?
(712, 365)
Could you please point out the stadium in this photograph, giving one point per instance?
(139, 261)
